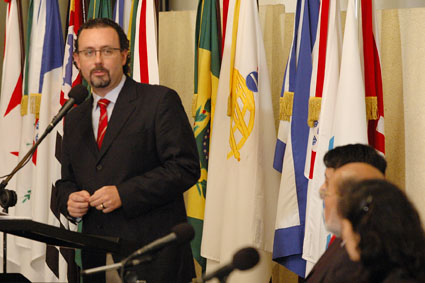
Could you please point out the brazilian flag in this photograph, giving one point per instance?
(100, 9)
(207, 70)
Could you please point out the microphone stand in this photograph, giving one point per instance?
(127, 262)
(8, 198)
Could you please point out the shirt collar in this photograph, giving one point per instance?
(112, 95)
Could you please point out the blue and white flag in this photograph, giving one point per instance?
(118, 13)
(316, 235)
(290, 218)
(287, 95)
(122, 13)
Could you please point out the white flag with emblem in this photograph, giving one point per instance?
(242, 184)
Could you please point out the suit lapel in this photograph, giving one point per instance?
(86, 127)
(122, 111)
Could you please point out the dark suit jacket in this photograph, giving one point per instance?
(335, 266)
(149, 153)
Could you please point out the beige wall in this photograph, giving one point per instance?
(412, 26)
(393, 96)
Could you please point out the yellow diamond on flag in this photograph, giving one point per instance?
(242, 115)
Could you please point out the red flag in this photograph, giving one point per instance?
(373, 80)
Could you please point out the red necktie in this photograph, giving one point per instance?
(103, 121)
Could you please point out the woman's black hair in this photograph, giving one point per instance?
(391, 234)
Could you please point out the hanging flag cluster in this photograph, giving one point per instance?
(330, 102)
(290, 154)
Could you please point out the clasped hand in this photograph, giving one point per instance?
(106, 199)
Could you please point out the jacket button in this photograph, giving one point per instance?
(99, 167)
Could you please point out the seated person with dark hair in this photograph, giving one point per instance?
(350, 161)
(383, 231)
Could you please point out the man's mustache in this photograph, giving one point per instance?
(99, 69)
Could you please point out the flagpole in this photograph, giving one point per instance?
(84, 6)
(21, 33)
(220, 33)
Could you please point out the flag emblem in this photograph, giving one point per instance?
(242, 111)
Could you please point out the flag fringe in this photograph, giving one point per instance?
(314, 106)
(24, 105)
(286, 105)
(194, 102)
(372, 108)
(35, 101)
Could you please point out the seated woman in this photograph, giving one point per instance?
(382, 229)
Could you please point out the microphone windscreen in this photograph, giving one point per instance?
(184, 232)
(245, 258)
(79, 93)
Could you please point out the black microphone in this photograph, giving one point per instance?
(181, 233)
(243, 259)
(77, 95)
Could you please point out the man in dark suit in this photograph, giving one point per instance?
(125, 176)
(353, 161)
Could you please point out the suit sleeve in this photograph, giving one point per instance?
(178, 167)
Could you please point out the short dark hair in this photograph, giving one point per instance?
(105, 22)
(389, 226)
(345, 154)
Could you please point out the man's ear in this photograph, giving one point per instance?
(76, 60)
(125, 54)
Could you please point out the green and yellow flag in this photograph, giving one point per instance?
(207, 70)
(100, 9)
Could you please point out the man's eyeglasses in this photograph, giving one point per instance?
(104, 52)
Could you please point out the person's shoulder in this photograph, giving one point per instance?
(148, 95)
(328, 262)
(150, 88)
(343, 267)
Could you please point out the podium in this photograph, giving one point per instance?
(55, 236)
